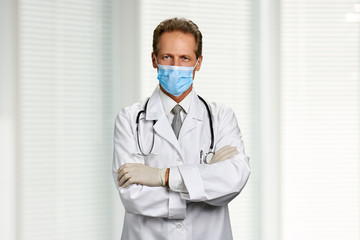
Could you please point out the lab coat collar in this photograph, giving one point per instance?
(155, 111)
(195, 114)
(196, 109)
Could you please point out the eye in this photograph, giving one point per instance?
(166, 57)
(186, 58)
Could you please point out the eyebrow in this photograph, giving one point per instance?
(172, 55)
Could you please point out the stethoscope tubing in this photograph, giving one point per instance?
(154, 121)
(210, 122)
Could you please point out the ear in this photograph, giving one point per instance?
(153, 60)
(198, 66)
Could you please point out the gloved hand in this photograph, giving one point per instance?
(131, 173)
(224, 153)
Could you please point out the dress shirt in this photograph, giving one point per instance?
(175, 181)
(168, 104)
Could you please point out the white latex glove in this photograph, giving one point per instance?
(131, 173)
(224, 153)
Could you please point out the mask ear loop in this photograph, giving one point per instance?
(197, 61)
(156, 61)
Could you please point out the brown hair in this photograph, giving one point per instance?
(177, 24)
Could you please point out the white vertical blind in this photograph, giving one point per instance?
(226, 75)
(320, 121)
(65, 124)
(8, 119)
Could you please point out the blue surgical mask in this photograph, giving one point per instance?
(175, 79)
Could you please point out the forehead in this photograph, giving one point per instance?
(177, 43)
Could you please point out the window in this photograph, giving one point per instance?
(65, 120)
(320, 121)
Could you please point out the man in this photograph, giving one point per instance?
(169, 188)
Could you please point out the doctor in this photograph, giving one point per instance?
(178, 160)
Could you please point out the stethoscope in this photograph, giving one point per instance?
(207, 156)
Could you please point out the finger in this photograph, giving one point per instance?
(227, 155)
(124, 179)
(220, 155)
(127, 183)
(122, 173)
(125, 166)
(223, 149)
(230, 155)
(122, 168)
(129, 170)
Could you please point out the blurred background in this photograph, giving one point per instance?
(289, 69)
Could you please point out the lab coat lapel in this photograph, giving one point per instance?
(155, 111)
(194, 115)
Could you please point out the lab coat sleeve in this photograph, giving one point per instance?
(217, 184)
(139, 199)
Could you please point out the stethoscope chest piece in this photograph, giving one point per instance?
(209, 156)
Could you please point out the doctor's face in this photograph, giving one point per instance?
(177, 49)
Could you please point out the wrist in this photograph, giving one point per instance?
(163, 175)
(167, 173)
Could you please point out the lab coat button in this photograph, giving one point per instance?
(179, 226)
(179, 160)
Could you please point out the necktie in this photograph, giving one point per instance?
(176, 123)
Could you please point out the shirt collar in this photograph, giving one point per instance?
(168, 103)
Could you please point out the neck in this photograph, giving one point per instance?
(177, 99)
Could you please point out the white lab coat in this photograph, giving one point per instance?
(155, 213)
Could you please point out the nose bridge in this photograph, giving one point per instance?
(176, 61)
